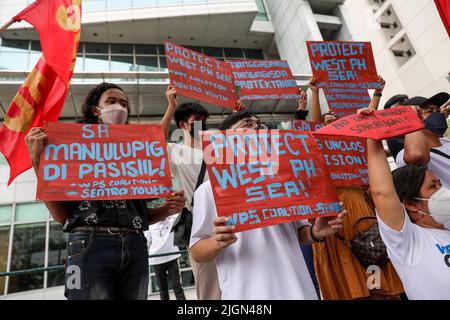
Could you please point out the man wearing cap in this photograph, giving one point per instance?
(428, 147)
(395, 145)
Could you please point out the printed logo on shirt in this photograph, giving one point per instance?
(445, 250)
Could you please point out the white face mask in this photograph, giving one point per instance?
(113, 114)
(439, 206)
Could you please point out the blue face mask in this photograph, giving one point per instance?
(437, 123)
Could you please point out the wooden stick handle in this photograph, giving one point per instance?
(6, 25)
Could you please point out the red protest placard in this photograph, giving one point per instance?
(346, 159)
(103, 162)
(200, 77)
(343, 64)
(303, 125)
(264, 80)
(379, 125)
(346, 101)
(266, 177)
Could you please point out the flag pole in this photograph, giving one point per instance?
(6, 25)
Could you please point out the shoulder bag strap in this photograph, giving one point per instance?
(201, 178)
(439, 152)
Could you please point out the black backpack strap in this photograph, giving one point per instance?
(201, 178)
(442, 154)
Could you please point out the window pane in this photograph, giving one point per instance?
(57, 254)
(184, 261)
(35, 211)
(4, 242)
(5, 214)
(96, 47)
(122, 48)
(254, 54)
(163, 62)
(13, 61)
(187, 279)
(93, 5)
(145, 3)
(28, 251)
(2, 159)
(145, 49)
(233, 53)
(122, 63)
(36, 46)
(14, 45)
(147, 63)
(119, 4)
(197, 49)
(213, 52)
(96, 63)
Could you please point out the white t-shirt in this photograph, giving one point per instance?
(421, 257)
(439, 165)
(264, 264)
(185, 164)
(160, 240)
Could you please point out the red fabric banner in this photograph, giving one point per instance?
(264, 80)
(200, 77)
(58, 23)
(342, 64)
(41, 97)
(100, 162)
(379, 125)
(346, 159)
(443, 7)
(266, 177)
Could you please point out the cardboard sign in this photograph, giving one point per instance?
(345, 101)
(383, 124)
(346, 159)
(303, 125)
(100, 162)
(200, 77)
(265, 177)
(342, 64)
(264, 80)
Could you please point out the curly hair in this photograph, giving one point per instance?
(93, 98)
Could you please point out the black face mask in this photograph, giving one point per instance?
(196, 133)
(437, 123)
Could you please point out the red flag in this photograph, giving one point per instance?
(443, 7)
(41, 98)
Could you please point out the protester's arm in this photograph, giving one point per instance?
(301, 112)
(387, 203)
(208, 249)
(322, 228)
(171, 95)
(375, 102)
(417, 149)
(316, 114)
(35, 140)
(173, 205)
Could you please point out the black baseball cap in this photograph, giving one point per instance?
(438, 100)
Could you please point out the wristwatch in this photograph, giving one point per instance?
(313, 236)
(377, 94)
